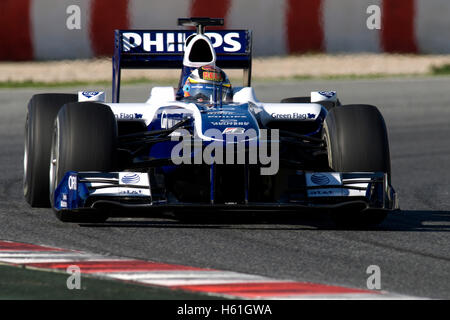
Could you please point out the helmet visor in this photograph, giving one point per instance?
(208, 92)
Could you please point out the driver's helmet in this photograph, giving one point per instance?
(208, 84)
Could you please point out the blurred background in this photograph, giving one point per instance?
(320, 37)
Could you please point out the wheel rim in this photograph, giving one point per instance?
(54, 161)
(25, 159)
(328, 145)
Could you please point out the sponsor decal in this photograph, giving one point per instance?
(220, 112)
(327, 94)
(130, 192)
(225, 116)
(90, 94)
(212, 76)
(173, 42)
(233, 131)
(63, 204)
(293, 116)
(323, 179)
(72, 183)
(230, 123)
(171, 119)
(320, 179)
(325, 193)
(131, 178)
(201, 86)
(217, 110)
(123, 115)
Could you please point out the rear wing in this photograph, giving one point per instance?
(164, 49)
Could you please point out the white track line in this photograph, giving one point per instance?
(178, 278)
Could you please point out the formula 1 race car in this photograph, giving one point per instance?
(206, 145)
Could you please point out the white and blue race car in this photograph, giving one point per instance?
(89, 159)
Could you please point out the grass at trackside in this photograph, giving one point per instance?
(436, 71)
(441, 70)
(25, 284)
(37, 84)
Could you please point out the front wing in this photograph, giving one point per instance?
(121, 191)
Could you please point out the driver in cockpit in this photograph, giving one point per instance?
(207, 84)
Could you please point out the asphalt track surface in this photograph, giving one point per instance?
(411, 247)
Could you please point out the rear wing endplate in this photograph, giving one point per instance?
(164, 49)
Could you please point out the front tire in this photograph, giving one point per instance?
(41, 113)
(357, 141)
(84, 139)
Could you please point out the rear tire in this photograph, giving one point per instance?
(41, 113)
(84, 139)
(357, 141)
